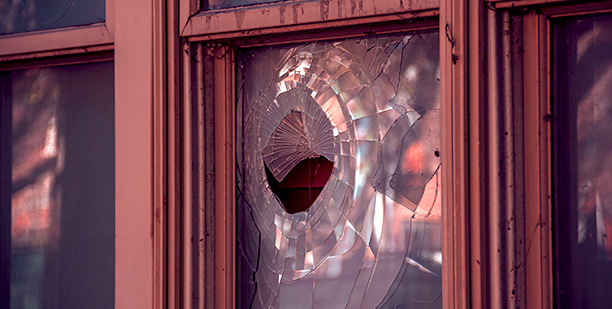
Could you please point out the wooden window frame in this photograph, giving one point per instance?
(203, 275)
(133, 36)
(511, 266)
(484, 265)
(547, 17)
(60, 41)
(165, 172)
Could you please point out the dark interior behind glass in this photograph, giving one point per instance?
(58, 187)
(582, 105)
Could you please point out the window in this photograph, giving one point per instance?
(219, 69)
(59, 213)
(372, 237)
(35, 15)
(134, 244)
(581, 96)
(182, 71)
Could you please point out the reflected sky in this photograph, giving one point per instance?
(29, 15)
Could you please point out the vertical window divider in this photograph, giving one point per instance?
(538, 215)
(173, 99)
(225, 181)
(160, 173)
(477, 27)
(134, 159)
(201, 266)
(454, 135)
(188, 166)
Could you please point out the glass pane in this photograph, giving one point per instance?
(220, 4)
(339, 174)
(29, 15)
(583, 88)
(61, 211)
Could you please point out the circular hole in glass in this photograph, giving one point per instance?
(301, 187)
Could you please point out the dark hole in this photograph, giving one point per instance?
(302, 185)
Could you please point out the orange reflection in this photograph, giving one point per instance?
(37, 160)
(413, 158)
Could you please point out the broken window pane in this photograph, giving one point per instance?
(583, 88)
(372, 235)
(57, 185)
(29, 15)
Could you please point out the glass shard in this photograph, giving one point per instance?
(296, 138)
(409, 166)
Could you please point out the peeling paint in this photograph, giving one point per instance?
(324, 9)
(340, 8)
(281, 14)
(353, 7)
(239, 15)
(295, 13)
(207, 22)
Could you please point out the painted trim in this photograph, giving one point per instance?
(59, 41)
(454, 153)
(537, 147)
(225, 182)
(292, 13)
(134, 158)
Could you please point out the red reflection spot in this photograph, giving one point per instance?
(413, 158)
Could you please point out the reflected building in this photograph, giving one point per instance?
(62, 186)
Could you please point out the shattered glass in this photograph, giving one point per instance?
(372, 237)
(30, 15)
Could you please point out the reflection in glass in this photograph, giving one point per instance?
(62, 188)
(583, 76)
(220, 4)
(29, 15)
(372, 237)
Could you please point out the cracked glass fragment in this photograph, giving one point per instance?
(407, 167)
(30, 15)
(296, 138)
(371, 237)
